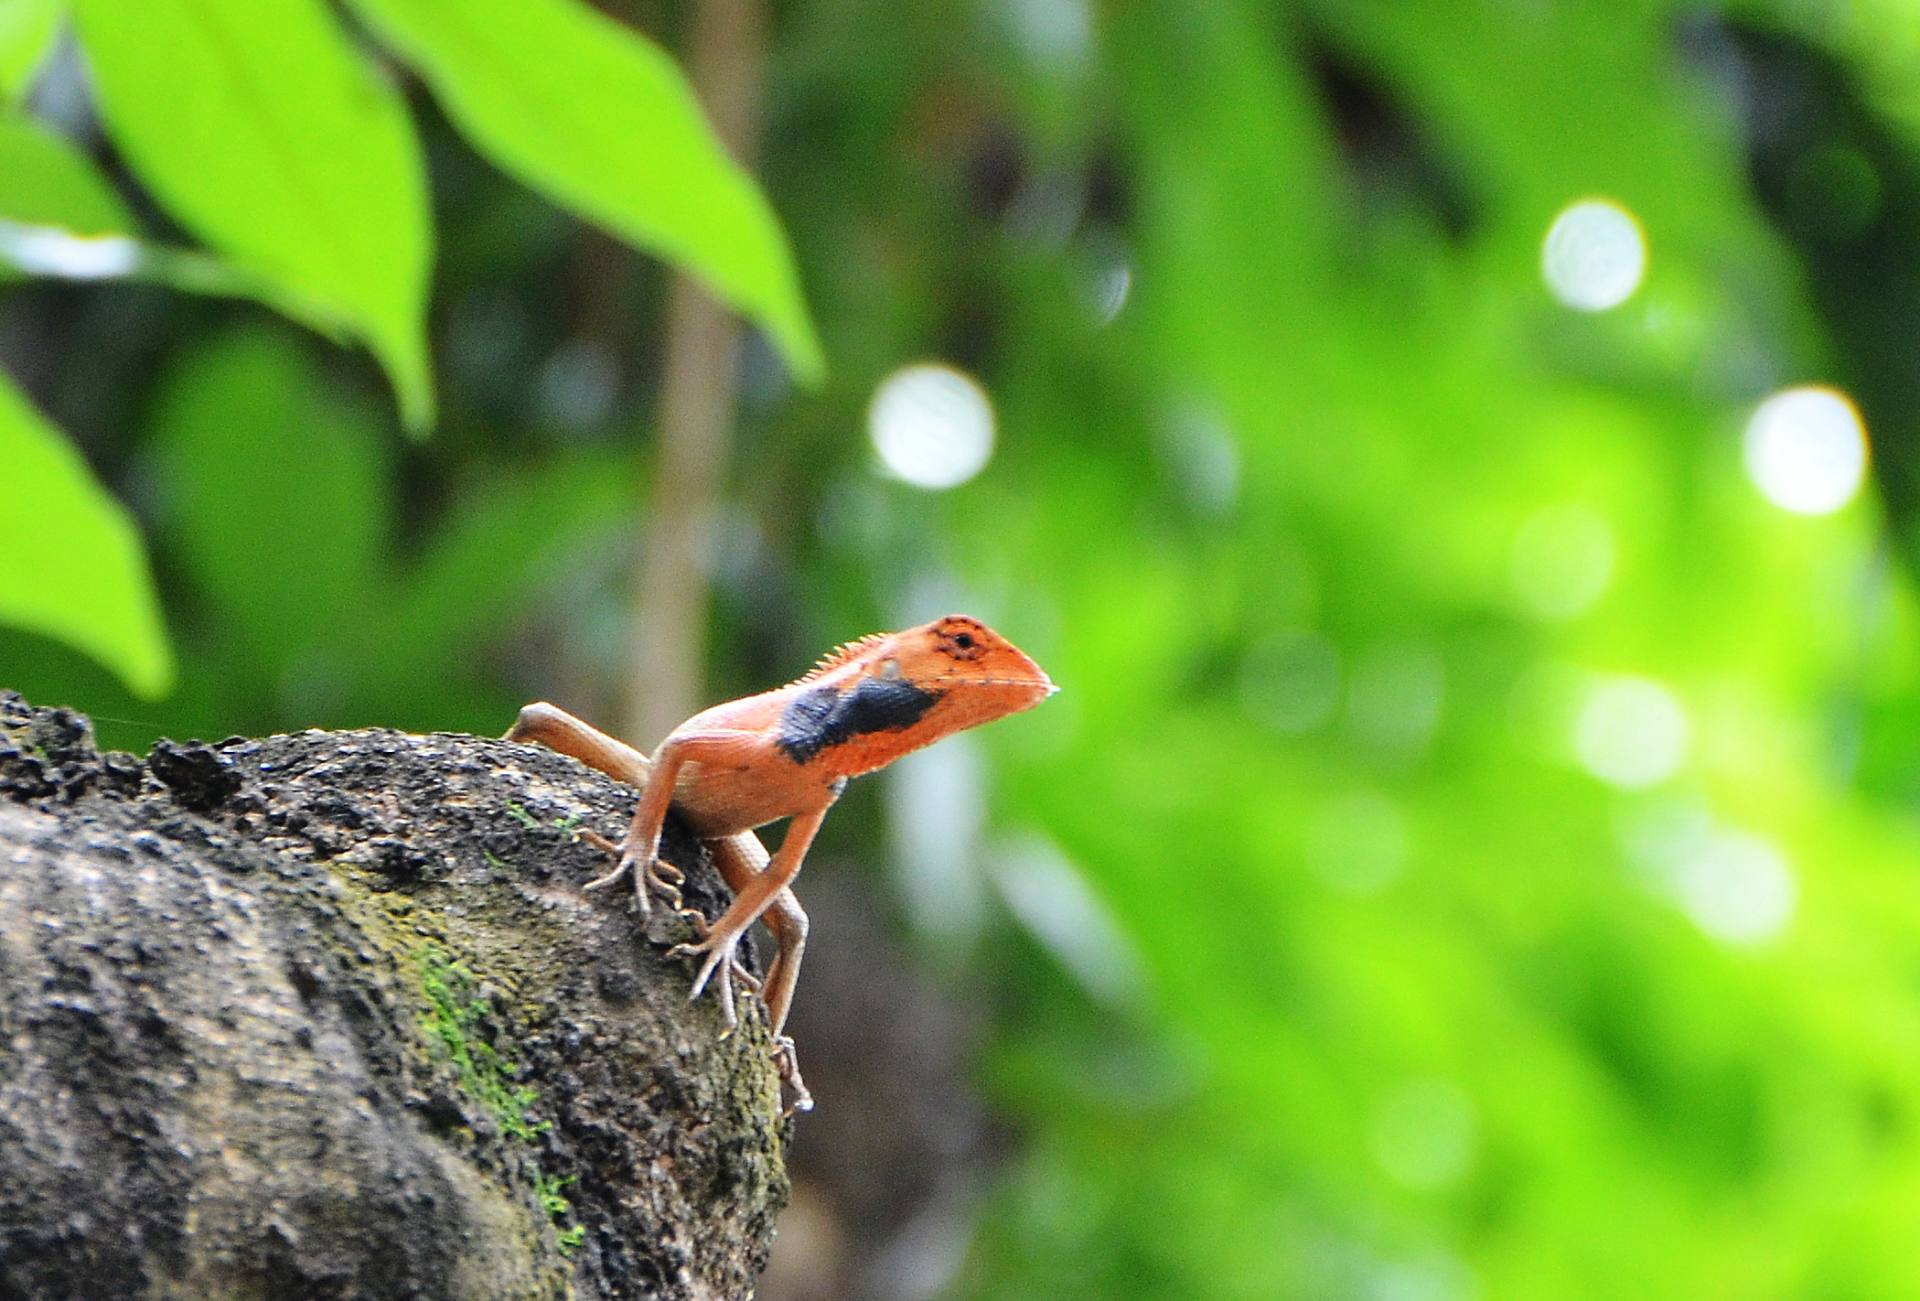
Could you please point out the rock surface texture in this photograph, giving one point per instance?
(328, 1015)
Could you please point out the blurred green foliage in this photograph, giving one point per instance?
(270, 135)
(27, 32)
(261, 129)
(72, 555)
(1412, 924)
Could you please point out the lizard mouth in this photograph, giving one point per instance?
(1043, 685)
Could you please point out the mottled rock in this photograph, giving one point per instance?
(328, 1015)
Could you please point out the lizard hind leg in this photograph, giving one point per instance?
(549, 725)
(740, 859)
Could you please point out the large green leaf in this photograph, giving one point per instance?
(60, 218)
(265, 133)
(275, 493)
(600, 120)
(72, 558)
(46, 181)
(27, 32)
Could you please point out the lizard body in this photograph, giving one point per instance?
(788, 753)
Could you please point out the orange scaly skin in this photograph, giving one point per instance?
(788, 753)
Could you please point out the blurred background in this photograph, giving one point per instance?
(1473, 854)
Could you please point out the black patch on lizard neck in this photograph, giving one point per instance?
(824, 717)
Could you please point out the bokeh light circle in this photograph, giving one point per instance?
(1563, 560)
(1425, 1133)
(931, 425)
(1739, 888)
(1594, 256)
(1806, 449)
(1631, 732)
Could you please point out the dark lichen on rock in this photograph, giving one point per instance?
(315, 1015)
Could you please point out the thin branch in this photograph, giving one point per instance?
(696, 410)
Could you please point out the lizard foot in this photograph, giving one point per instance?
(623, 863)
(722, 958)
(665, 880)
(721, 955)
(737, 968)
(787, 1061)
(657, 877)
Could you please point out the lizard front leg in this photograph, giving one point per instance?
(640, 850)
(753, 899)
(740, 859)
(549, 725)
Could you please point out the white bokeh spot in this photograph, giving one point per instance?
(50, 251)
(931, 425)
(1563, 560)
(1806, 450)
(1630, 732)
(1594, 256)
(1738, 887)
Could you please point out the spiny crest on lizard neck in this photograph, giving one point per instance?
(844, 653)
(957, 650)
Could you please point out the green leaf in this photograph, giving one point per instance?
(27, 32)
(601, 121)
(45, 180)
(74, 564)
(263, 131)
(499, 546)
(275, 493)
(59, 217)
(507, 539)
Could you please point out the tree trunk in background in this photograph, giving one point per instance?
(696, 410)
(328, 1015)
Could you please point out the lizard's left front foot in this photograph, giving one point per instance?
(664, 879)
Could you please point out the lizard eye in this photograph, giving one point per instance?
(964, 640)
(889, 668)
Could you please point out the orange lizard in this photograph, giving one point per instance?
(788, 753)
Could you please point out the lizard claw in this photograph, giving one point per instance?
(719, 954)
(656, 876)
(623, 865)
(666, 880)
(786, 1059)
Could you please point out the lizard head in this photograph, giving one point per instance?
(961, 657)
(873, 700)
